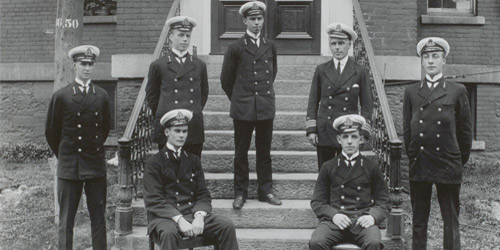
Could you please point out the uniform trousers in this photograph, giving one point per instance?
(167, 233)
(191, 148)
(327, 235)
(263, 137)
(449, 202)
(326, 153)
(69, 193)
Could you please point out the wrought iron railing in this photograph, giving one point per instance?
(137, 141)
(386, 143)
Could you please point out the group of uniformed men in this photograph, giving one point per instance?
(350, 198)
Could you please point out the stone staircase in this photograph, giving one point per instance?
(259, 225)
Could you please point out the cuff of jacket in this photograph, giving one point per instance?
(311, 127)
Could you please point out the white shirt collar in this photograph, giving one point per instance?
(352, 156)
(252, 35)
(343, 61)
(81, 83)
(435, 78)
(179, 53)
(172, 148)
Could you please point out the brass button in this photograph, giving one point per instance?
(329, 87)
(265, 61)
(329, 117)
(342, 207)
(79, 150)
(255, 73)
(176, 101)
(342, 197)
(256, 93)
(268, 82)
(421, 109)
(79, 125)
(191, 180)
(438, 122)
(176, 193)
(178, 204)
(191, 79)
(330, 97)
(97, 124)
(439, 109)
(96, 113)
(437, 136)
(254, 62)
(79, 138)
(421, 134)
(175, 90)
(192, 90)
(348, 88)
(346, 98)
(421, 147)
(255, 83)
(345, 109)
(437, 148)
(192, 193)
(269, 92)
(97, 137)
(329, 107)
(342, 186)
(421, 121)
(267, 71)
(97, 149)
(175, 80)
(359, 188)
(357, 198)
(78, 114)
(177, 181)
(189, 203)
(191, 101)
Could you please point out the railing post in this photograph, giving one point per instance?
(123, 212)
(395, 220)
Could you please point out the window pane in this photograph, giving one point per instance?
(435, 4)
(449, 4)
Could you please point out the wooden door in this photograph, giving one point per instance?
(293, 25)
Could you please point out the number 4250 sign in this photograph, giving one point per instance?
(67, 23)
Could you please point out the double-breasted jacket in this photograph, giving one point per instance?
(356, 191)
(175, 86)
(167, 194)
(437, 131)
(247, 78)
(76, 128)
(332, 96)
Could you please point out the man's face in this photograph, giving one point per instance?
(350, 142)
(339, 47)
(433, 62)
(180, 39)
(254, 23)
(177, 135)
(83, 70)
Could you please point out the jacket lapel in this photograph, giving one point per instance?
(76, 94)
(172, 63)
(423, 91)
(347, 73)
(185, 167)
(340, 169)
(187, 66)
(89, 99)
(437, 93)
(355, 171)
(262, 49)
(330, 73)
(249, 45)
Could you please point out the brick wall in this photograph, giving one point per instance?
(488, 116)
(469, 44)
(392, 25)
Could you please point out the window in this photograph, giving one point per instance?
(452, 12)
(459, 7)
(99, 7)
(110, 87)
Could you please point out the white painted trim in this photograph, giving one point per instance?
(334, 11)
(201, 11)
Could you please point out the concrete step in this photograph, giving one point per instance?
(281, 87)
(220, 120)
(252, 239)
(297, 103)
(282, 140)
(292, 214)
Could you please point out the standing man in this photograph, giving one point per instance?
(351, 197)
(248, 73)
(78, 123)
(179, 80)
(176, 197)
(336, 89)
(438, 140)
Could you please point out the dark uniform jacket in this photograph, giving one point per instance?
(437, 131)
(76, 129)
(247, 78)
(166, 194)
(331, 97)
(356, 191)
(174, 86)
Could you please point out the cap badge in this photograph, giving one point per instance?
(431, 43)
(348, 122)
(338, 28)
(179, 116)
(88, 52)
(255, 7)
(185, 22)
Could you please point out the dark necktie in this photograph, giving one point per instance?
(431, 88)
(180, 58)
(255, 41)
(84, 90)
(338, 69)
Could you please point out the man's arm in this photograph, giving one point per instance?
(53, 125)
(313, 104)
(204, 86)
(228, 74)
(202, 195)
(464, 125)
(106, 117)
(153, 88)
(407, 114)
(380, 196)
(320, 202)
(275, 62)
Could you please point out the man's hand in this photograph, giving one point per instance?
(185, 227)
(366, 221)
(313, 139)
(198, 224)
(341, 220)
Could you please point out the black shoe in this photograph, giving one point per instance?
(271, 199)
(238, 202)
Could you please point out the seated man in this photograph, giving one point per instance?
(350, 197)
(176, 197)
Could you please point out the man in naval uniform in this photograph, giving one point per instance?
(78, 123)
(176, 197)
(179, 80)
(438, 139)
(351, 197)
(248, 73)
(336, 89)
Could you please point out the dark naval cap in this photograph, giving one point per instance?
(84, 53)
(253, 8)
(182, 23)
(176, 117)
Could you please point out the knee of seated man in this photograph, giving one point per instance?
(318, 243)
(168, 233)
(372, 242)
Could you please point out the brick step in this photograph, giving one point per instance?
(252, 239)
(289, 140)
(297, 103)
(220, 120)
(281, 87)
(292, 214)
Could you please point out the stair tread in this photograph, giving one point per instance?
(249, 204)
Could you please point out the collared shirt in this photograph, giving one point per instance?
(343, 61)
(256, 37)
(177, 152)
(83, 86)
(351, 159)
(180, 55)
(433, 81)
